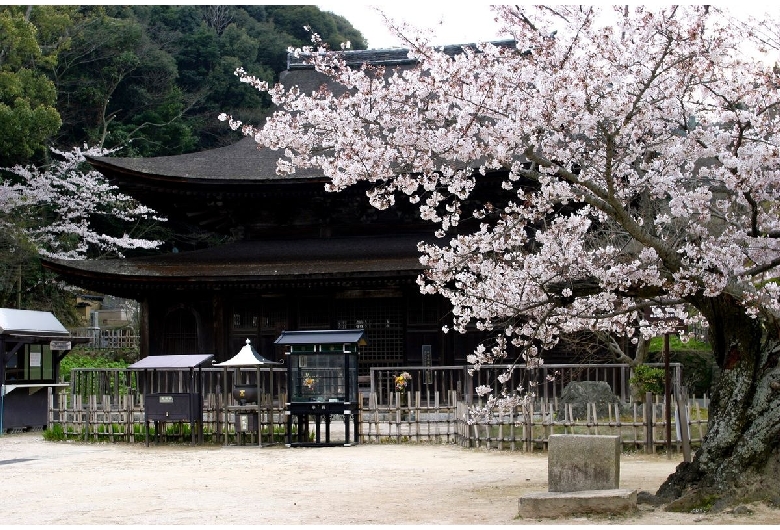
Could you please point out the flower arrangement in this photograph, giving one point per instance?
(309, 381)
(402, 380)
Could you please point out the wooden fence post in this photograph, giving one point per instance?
(682, 418)
(649, 444)
(129, 423)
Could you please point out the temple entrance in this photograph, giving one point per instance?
(180, 335)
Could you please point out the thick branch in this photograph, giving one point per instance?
(590, 286)
(614, 348)
(763, 268)
(611, 207)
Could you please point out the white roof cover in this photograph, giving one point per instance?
(248, 356)
(171, 361)
(34, 323)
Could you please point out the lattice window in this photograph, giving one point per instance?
(273, 319)
(245, 319)
(261, 321)
(382, 320)
(314, 313)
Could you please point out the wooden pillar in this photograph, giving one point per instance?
(682, 417)
(667, 398)
(143, 333)
(220, 328)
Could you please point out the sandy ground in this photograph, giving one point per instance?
(48, 483)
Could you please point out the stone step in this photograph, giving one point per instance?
(552, 504)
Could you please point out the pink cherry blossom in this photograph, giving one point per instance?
(638, 150)
(60, 203)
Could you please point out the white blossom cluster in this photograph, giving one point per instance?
(640, 157)
(59, 208)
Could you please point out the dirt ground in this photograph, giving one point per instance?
(48, 483)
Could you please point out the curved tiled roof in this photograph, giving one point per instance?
(383, 56)
(255, 263)
(240, 162)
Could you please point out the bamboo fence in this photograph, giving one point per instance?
(406, 417)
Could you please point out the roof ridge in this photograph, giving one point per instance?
(378, 56)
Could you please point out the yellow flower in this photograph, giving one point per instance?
(402, 380)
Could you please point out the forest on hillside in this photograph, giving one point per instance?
(147, 79)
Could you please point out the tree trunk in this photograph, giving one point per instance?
(739, 458)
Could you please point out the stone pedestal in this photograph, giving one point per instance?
(582, 462)
(583, 473)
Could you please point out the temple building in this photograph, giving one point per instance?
(298, 257)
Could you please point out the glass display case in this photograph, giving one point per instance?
(322, 383)
(326, 376)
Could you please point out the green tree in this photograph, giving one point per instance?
(28, 117)
(152, 79)
(332, 29)
(102, 55)
(28, 114)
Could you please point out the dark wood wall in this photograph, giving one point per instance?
(400, 323)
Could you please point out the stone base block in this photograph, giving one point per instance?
(583, 462)
(547, 504)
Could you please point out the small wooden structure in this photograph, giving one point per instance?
(247, 412)
(322, 382)
(32, 344)
(164, 405)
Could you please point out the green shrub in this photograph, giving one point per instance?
(648, 379)
(55, 433)
(279, 433)
(698, 368)
(87, 359)
(139, 432)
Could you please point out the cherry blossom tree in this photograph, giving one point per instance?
(638, 151)
(66, 210)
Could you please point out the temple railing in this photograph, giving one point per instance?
(545, 382)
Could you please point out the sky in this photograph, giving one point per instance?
(454, 23)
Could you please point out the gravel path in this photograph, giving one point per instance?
(75, 483)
